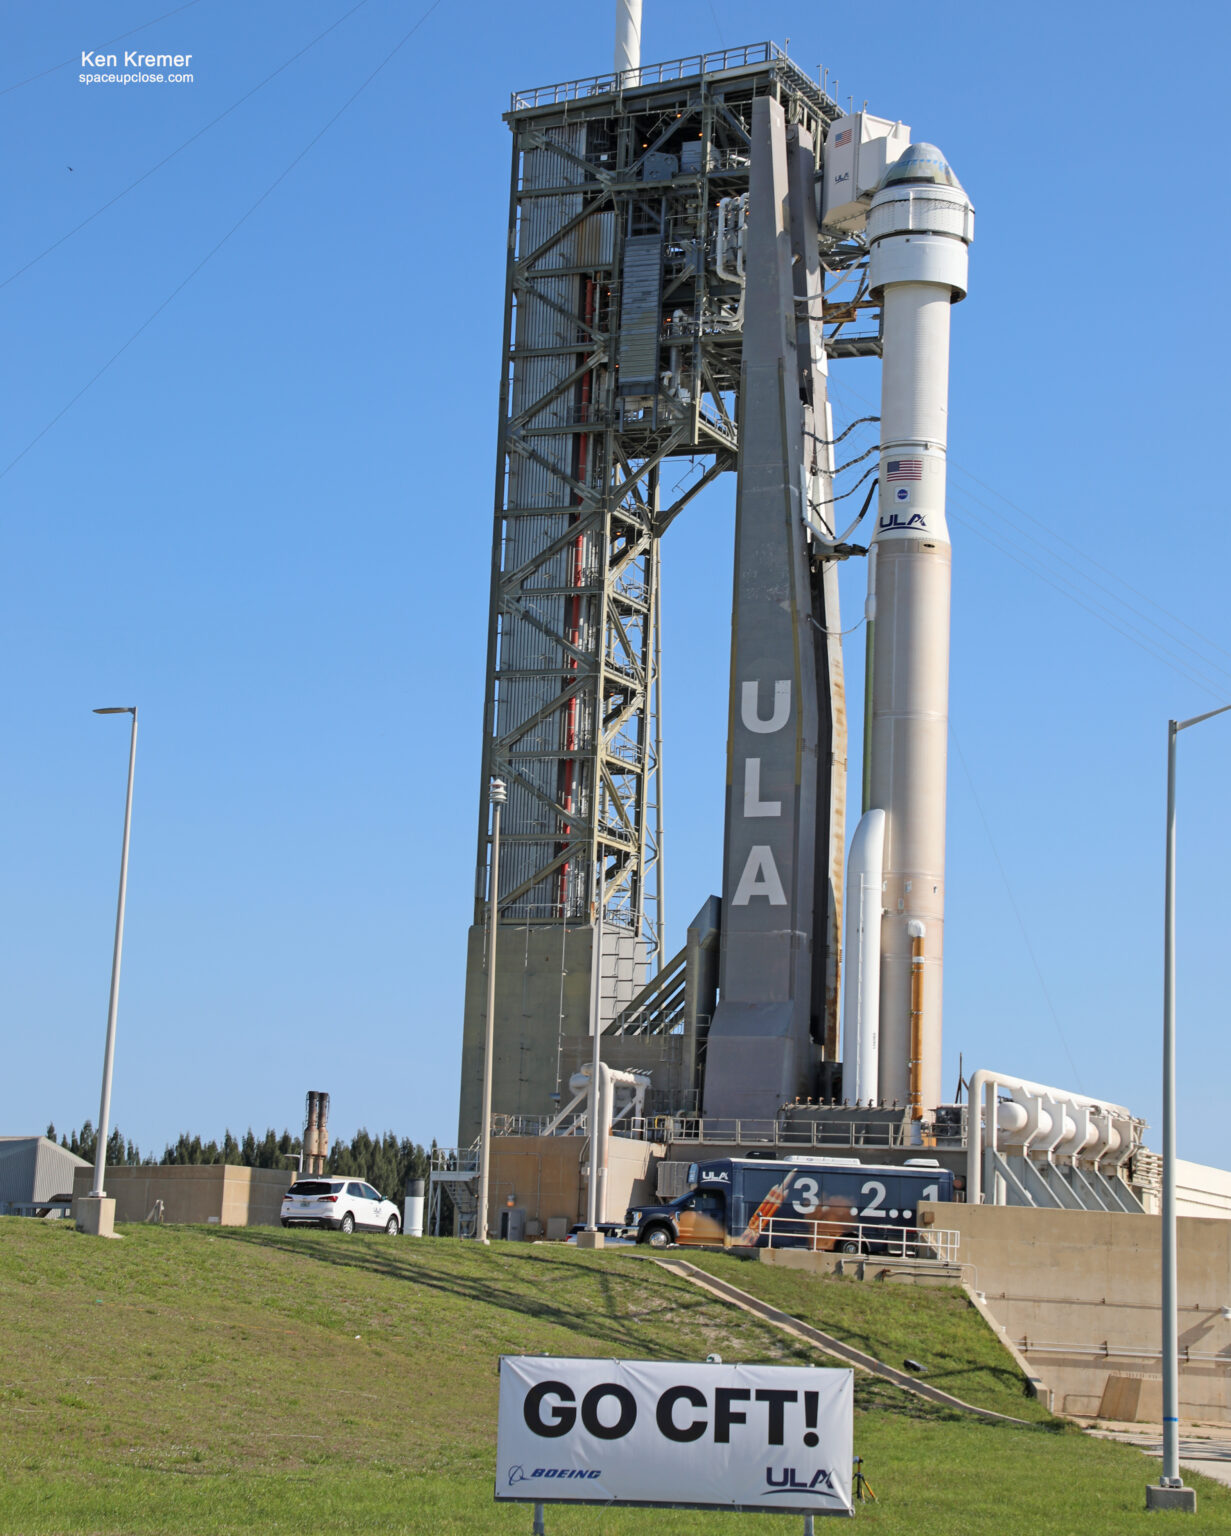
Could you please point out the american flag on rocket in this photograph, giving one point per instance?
(843, 138)
(904, 469)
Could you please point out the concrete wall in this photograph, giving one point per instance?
(542, 1176)
(546, 1176)
(533, 1012)
(1078, 1293)
(212, 1192)
(1202, 1191)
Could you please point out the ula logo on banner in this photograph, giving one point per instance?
(820, 1482)
(647, 1432)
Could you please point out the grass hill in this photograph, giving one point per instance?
(190, 1380)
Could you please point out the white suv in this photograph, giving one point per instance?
(346, 1205)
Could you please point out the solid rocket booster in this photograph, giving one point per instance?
(919, 226)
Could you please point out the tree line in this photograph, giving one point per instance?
(387, 1162)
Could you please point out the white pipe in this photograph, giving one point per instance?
(412, 1210)
(728, 261)
(628, 39)
(861, 1001)
(1042, 1119)
(674, 385)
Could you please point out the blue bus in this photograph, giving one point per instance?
(834, 1205)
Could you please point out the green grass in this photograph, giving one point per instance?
(191, 1380)
(938, 1327)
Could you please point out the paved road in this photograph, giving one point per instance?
(1210, 1455)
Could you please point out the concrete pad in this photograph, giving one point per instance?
(96, 1215)
(591, 1240)
(1183, 1499)
(1207, 1450)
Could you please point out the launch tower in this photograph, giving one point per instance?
(626, 311)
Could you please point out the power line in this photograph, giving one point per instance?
(1115, 597)
(1090, 560)
(244, 217)
(132, 32)
(1052, 557)
(1004, 875)
(1114, 623)
(166, 160)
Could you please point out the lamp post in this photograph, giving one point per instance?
(1170, 1491)
(497, 794)
(596, 1028)
(104, 1111)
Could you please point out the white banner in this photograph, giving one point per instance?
(654, 1432)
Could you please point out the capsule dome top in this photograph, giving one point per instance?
(921, 164)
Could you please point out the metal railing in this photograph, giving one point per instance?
(647, 74)
(812, 1133)
(742, 57)
(640, 1127)
(928, 1245)
(536, 1125)
(724, 1133)
(462, 1161)
(1106, 1351)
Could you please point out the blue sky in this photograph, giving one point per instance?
(267, 524)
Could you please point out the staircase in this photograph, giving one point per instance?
(455, 1171)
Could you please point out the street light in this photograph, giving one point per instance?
(497, 794)
(593, 1202)
(104, 1112)
(1170, 1492)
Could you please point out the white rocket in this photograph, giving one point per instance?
(919, 226)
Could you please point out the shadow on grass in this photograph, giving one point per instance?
(588, 1297)
(596, 1303)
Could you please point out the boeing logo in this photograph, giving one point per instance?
(820, 1484)
(520, 1475)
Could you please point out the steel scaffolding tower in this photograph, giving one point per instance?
(622, 349)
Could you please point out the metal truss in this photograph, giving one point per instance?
(595, 397)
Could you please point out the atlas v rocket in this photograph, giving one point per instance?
(783, 884)
(919, 226)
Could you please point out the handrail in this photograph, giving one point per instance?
(742, 56)
(1107, 1351)
(927, 1245)
(646, 74)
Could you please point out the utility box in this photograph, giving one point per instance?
(659, 167)
(859, 149)
(693, 159)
